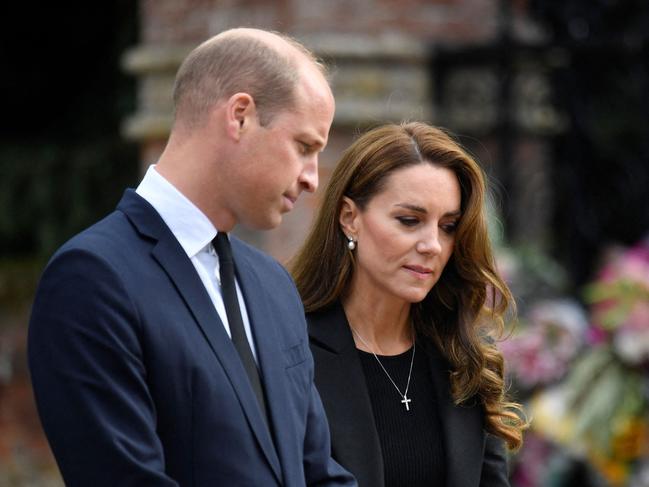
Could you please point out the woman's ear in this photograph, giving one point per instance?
(348, 217)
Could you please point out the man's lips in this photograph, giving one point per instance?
(290, 200)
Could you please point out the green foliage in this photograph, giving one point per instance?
(620, 297)
(600, 391)
(50, 191)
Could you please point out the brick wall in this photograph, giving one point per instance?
(169, 21)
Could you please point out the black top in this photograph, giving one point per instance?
(473, 458)
(411, 440)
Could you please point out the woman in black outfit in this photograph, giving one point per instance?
(404, 304)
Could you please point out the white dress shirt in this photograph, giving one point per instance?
(195, 232)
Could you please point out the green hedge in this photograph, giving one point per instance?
(49, 190)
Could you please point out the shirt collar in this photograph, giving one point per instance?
(193, 230)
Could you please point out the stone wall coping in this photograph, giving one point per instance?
(146, 126)
(393, 47)
(147, 58)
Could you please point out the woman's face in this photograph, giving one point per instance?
(406, 233)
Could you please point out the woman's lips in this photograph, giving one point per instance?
(419, 271)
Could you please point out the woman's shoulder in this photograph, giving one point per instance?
(327, 316)
(328, 328)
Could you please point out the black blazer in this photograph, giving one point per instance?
(474, 458)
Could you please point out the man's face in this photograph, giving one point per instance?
(278, 161)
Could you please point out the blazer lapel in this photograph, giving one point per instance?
(339, 375)
(341, 382)
(179, 268)
(462, 427)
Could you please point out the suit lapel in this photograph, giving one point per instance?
(269, 352)
(462, 427)
(340, 379)
(173, 260)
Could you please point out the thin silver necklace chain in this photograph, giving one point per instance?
(404, 395)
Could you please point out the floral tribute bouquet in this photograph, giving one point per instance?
(587, 379)
(549, 339)
(608, 389)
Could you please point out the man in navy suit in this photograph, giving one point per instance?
(138, 378)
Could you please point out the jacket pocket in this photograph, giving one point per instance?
(295, 355)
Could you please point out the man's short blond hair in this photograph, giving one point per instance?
(237, 62)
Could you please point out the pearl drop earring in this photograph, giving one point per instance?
(351, 243)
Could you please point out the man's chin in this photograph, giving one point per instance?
(269, 223)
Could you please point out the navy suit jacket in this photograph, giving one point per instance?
(137, 382)
(473, 457)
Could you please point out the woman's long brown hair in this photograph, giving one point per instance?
(465, 310)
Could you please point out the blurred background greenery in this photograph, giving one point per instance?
(62, 159)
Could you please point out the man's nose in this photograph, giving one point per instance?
(309, 175)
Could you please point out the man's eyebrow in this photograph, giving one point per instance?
(422, 210)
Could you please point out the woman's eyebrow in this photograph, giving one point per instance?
(408, 206)
(419, 209)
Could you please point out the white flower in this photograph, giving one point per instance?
(632, 345)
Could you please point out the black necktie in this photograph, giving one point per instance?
(237, 331)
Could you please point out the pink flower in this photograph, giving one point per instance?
(596, 335)
(542, 351)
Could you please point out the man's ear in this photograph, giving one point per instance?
(348, 217)
(240, 113)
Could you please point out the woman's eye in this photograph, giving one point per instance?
(449, 227)
(304, 148)
(408, 221)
